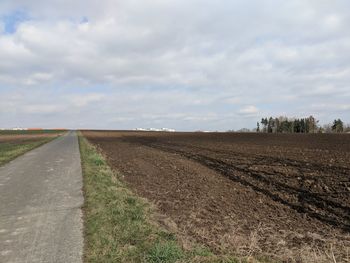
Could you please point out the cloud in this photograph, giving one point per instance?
(333, 21)
(249, 110)
(201, 61)
(85, 99)
(333, 107)
(45, 109)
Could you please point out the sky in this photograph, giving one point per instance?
(181, 64)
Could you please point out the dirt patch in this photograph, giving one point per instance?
(285, 196)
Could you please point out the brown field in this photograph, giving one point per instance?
(22, 136)
(284, 196)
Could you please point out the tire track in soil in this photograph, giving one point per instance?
(306, 202)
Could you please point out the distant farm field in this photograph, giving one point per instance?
(29, 132)
(15, 143)
(284, 196)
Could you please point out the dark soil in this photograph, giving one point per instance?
(285, 195)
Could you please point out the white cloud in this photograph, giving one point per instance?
(82, 100)
(333, 21)
(333, 107)
(41, 109)
(249, 110)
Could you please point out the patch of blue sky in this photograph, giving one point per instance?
(12, 20)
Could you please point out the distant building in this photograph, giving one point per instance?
(156, 129)
(167, 130)
(19, 129)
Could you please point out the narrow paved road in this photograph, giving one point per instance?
(40, 204)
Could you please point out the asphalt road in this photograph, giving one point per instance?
(40, 204)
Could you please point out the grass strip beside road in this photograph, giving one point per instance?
(118, 225)
(9, 151)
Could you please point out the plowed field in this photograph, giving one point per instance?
(285, 196)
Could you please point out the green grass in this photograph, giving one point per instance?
(9, 151)
(117, 224)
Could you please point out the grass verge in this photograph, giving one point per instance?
(9, 151)
(118, 225)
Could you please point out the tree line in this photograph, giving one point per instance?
(299, 125)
